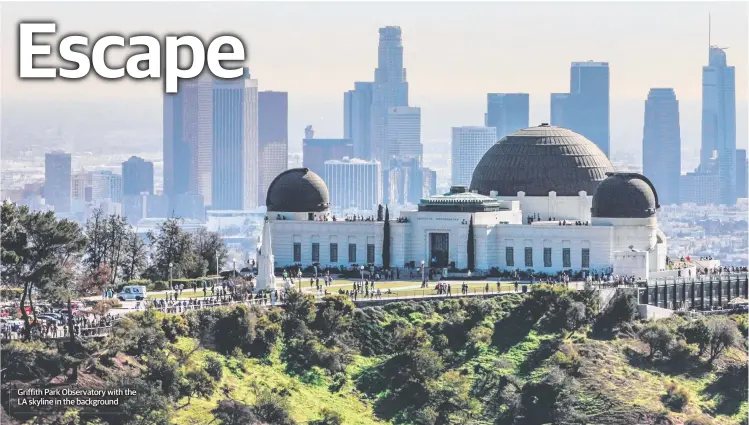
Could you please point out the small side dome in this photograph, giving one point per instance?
(297, 190)
(625, 195)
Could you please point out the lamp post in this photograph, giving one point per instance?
(423, 279)
(218, 272)
(171, 285)
(234, 267)
(361, 270)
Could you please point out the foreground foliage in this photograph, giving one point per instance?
(548, 357)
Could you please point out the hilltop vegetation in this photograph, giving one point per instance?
(548, 357)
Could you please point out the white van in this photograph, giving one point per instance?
(132, 293)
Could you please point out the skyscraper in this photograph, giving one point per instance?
(585, 109)
(235, 144)
(353, 183)
(742, 174)
(388, 90)
(106, 185)
(718, 151)
(188, 139)
(661, 144)
(357, 118)
(316, 151)
(57, 180)
(469, 144)
(137, 176)
(273, 138)
(404, 133)
(507, 112)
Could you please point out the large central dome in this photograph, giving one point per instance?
(297, 190)
(539, 160)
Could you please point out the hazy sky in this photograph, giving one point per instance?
(454, 52)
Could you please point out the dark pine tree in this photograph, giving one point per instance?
(386, 240)
(471, 246)
(379, 212)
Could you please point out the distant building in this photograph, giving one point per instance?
(404, 133)
(57, 180)
(429, 185)
(81, 182)
(357, 118)
(354, 183)
(718, 151)
(188, 138)
(316, 151)
(742, 176)
(661, 144)
(699, 188)
(106, 185)
(406, 182)
(585, 109)
(137, 207)
(137, 176)
(189, 206)
(388, 90)
(469, 144)
(507, 112)
(235, 145)
(273, 138)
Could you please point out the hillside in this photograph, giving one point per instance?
(549, 357)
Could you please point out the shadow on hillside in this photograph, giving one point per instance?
(513, 328)
(546, 349)
(691, 365)
(729, 390)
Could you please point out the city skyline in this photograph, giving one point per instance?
(672, 57)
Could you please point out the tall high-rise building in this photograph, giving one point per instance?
(106, 185)
(273, 138)
(57, 180)
(235, 144)
(469, 144)
(701, 188)
(507, 112)
(137, 176)
(353, 183)
(718, 151)
(388, 90)
(406, 184)
(81, 181)
(404, 133)
(742, 174)
(316, 151)
(661, 144)
(585, 109)
(188, 138)
(357, 118)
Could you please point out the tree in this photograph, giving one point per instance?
(133, 261)
(386, 240)
(207, 246)
(106, 238)
(379, 212)
(659, 337)
(471, 246)
(231, 412)
(172, 246)
(697, 332)
(723, 334)
(38, 251)
(197, 383)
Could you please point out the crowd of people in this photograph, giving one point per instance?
(84, 324)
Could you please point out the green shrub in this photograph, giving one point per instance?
(698, 420)
(676, 397)
(214, 368)
(659, 337)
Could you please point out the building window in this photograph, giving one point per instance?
(547, 257)
(297, 252)
(334, 253)
(370, 254)
(528, 256)
(315, 252)
(352, 253)
(566, 258)
(586, 258)
(510, 256)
